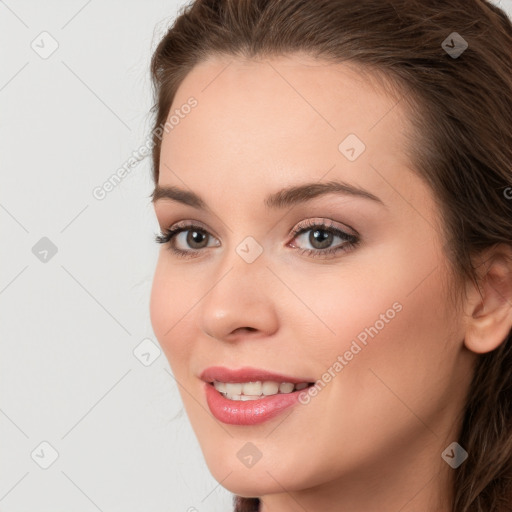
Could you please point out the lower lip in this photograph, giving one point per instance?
(248, 412)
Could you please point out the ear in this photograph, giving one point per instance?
(490, 310)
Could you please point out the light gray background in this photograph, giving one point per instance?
(70, 325)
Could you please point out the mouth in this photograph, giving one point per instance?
(250, 396)
(256, 390)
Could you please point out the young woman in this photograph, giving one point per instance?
(333, 182)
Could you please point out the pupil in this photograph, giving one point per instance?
(324, 240)
(195, 237)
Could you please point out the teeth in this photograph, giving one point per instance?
(252, 388)
(220, 386)
(244, 391)
(248, 397)
(233, 388)
(270, 388)
(286, 387)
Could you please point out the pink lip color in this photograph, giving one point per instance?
(246, 374)
(250, 412)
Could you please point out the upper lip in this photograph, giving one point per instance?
(247, 374)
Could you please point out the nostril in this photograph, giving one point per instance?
(250, 329)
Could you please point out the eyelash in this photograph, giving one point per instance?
(350, 240)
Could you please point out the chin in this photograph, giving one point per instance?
(250, 485)
(261, 479)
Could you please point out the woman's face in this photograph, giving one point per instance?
(370, 309)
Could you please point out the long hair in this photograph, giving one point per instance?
(460, 144)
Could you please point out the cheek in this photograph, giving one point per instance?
(394, 323)
(160, 309)
(405, 364)
(342, 306)
(393, 295)
(170, 303)
(396, 383)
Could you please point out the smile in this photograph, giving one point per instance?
(249, 396)
(255, 390)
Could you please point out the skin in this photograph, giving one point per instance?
(372, 438)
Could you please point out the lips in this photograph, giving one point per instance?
(255, 411)
(248, 374)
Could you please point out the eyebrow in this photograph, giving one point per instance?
(277, 200)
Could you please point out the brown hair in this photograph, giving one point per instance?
(461, 146)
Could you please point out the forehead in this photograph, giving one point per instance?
(282, 115)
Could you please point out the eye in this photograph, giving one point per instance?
(194, 236)
(322, 235)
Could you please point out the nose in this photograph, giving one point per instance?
(241, 300)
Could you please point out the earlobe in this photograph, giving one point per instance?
(490, 313)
